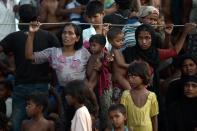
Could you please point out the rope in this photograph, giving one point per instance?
(62, 23)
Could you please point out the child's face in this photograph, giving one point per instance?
(96, 48)
(117, 42)
(3, 92)
(190, 90)
(117, 118)
(135, 81)
(144, 40)
(31, 108)
(96, 19)
(69, 37)
(189, 67)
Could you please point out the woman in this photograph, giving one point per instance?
(69, 62)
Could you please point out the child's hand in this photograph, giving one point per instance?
(34, 26)
(105, 28)
(98, 64)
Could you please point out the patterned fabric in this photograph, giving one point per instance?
(67, 68)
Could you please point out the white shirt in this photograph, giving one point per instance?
(7, 15)
(81, 120)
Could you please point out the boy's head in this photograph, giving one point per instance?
(74, 91)
(36, 103)
(115, 37)
(117, 115)
(141, 69)
(190, 86)
(95, 12)
(27, 13)
(97, 43)
(5, 89)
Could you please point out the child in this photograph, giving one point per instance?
(95, 13)
(75, 95)
(5, 97)
(141, 104)
(98, 74)
(117, 115)
(36, 105)
(115, 37)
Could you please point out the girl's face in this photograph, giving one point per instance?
(96, 48)
(189, 67)
(144, 40)
(135, 81)
(190, 89)
(117, 42)
(69, 37)
(31, 108)
(117, 118)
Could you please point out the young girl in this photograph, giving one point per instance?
(74, 92)
(141, 104)
(117, 115)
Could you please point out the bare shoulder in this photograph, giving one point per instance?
(50, 125)
(25, 124)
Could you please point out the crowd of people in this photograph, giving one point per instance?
(98, 65)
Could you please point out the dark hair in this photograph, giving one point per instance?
(119, 107)
(140, 68)
(7, 84)
(123, 4)
(148, 28)
(98, 38)
(83, 2)
(76, 89)
(94, 7)
(40, 99)
(113, 32)
(78, 33)
(28, 13)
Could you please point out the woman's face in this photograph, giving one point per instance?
(69, 37)
(189, 67)
(190, 89)
(144, 40)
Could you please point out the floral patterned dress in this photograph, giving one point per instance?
(67, 68)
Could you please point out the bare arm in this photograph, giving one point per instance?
(188, 27)
(34, 26)
(61, 11)
(136, 4)
(119, 59)
(154, 123)
(92, 74)
(51, 126)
